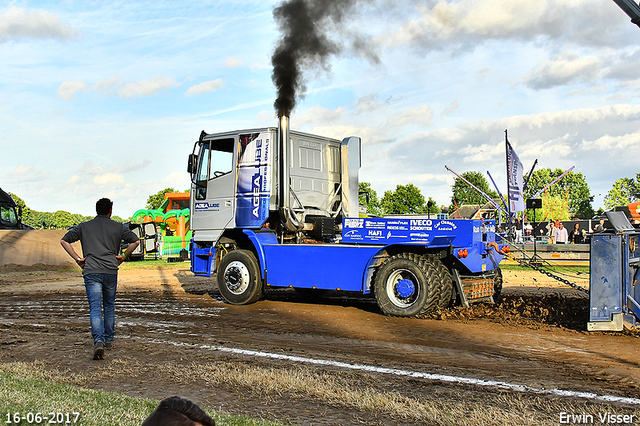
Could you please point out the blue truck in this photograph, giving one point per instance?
(272, 207)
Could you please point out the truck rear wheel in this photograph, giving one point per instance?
(239, 279)
(406, 285)
(445, 283)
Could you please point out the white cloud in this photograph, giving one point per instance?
(318, 116)
(629, 142)
(114, 86)
(29, 173)
(368, 103)
(564, 68)
(467, 23)
(104, 85)
(451, 108)
(68, 89)
(233, 62)
(207, 86)
(594, 140)
(16, 23)
(421, 116)
(108, 179)
(147, 87)
(73, 179)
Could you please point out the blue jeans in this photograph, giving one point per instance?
(101, 294)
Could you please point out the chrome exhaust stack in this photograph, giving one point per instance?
(287, 216)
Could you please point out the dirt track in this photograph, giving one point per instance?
(176, 336)
(168, 318)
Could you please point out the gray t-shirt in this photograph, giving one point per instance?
(100, 238)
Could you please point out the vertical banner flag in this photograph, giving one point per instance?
(515, 173)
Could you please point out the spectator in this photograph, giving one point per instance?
(600, 227)
(176, 411)
(575, 236)
(551, 232)
(561, 234)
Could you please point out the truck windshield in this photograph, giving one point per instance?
(8, 215)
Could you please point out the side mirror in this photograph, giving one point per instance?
(192, 167)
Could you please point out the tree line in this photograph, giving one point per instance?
(51, 220)
(64, 220)
(571, 195)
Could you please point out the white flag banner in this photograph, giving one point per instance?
(515, 175)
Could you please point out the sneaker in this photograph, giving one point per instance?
(108, 345)
(98, 351)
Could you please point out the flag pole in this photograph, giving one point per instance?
(506, 153)
(489, 199)
(504, 203)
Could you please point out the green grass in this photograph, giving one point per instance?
(553, 268)
(33, 393)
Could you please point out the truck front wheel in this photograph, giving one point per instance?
(406, 286)
(239, 279)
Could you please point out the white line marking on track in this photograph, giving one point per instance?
(415, 374)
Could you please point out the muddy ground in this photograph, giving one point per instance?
(167, 318)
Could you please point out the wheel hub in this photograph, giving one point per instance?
(236, 277)
(405, 288)
(401, 288)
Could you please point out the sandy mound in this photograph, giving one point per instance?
(34, 250)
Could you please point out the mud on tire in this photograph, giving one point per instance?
(497, 285)
(445, 283)
(239, 279)
(407, 285)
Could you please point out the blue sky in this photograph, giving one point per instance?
(106, 98)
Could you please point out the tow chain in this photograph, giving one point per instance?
(547, 273)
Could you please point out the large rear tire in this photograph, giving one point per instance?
(239, 279)
(406, 285)
(445, 283)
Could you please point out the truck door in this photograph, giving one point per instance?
(214, 189)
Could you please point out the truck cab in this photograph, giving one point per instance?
(10, 213)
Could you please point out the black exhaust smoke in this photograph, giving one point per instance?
(305, 26)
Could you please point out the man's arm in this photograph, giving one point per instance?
(70, 250)
(128, 251)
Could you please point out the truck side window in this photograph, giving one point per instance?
(221, 157)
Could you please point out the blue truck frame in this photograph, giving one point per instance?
(349, 265)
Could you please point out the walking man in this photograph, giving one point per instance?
(100, 238)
